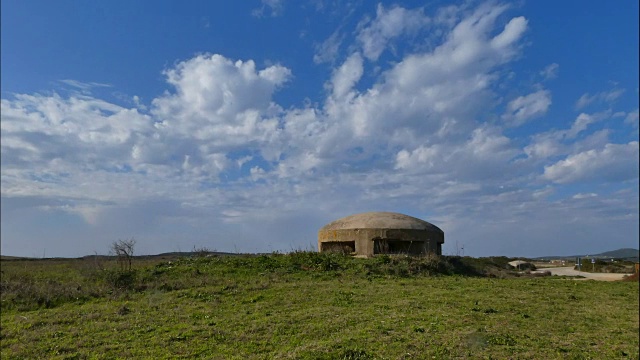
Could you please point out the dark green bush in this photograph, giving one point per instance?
(121, 279)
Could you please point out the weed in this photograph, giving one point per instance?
(344, 298)
(355, 354)
(124, 310)
(501, 340)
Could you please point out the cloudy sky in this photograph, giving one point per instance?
(246, 126)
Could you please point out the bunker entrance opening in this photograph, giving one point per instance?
(346, 247)
(397, 246)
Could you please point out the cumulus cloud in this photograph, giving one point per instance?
(544, 146)
(218, 105)
(40, 129)
(216, 152)
(486, 149)
(616, 162)
(219, 112)
(524, 108)
(213, 85)
(431, 97)
(51, 144)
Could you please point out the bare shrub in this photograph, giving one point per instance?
(202, 251)
(123, 250)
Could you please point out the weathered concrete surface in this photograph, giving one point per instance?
(381, 232)
(520, 264)
(380, 220)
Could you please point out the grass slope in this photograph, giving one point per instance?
(310, 306)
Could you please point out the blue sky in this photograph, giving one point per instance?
(246, 126)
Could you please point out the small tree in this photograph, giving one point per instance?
(123, 249)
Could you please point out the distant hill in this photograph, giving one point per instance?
(7, 257)
(626, 254)
(621, 253)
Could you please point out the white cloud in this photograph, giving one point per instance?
(272, 7)
(138, 103)
(216, 154)
(487, 154)
(632, 118)
(616, 162)
(374, 36)
(446, 83)
(544, 146)
(524, 108)
(215, 86)
(584, 100)
(327, 51)
(84, 87)
(426, 98)
(51, 145)
(550, 72)
(563, 142)
(346, 76)
(219, 105)
(511, 33)
(84, 130)
(584, 120)
(605, 96)
(584, 195)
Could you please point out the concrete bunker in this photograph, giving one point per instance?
(347, 247)
(381, 233)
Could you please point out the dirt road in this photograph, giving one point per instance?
(569, 271)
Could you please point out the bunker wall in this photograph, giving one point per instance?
(365, 239)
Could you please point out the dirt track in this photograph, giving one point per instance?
(569, 271)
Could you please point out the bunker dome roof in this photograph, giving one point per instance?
(380, 220)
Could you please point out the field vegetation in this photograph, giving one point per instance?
(607, 266)
(307, 305)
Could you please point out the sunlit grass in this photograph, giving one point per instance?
(338, 308)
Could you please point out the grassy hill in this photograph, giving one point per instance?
(626, 253)
(309, 306)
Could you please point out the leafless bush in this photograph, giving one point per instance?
(202, 251)
(123, 250)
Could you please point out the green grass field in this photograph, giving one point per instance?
(309, 306)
